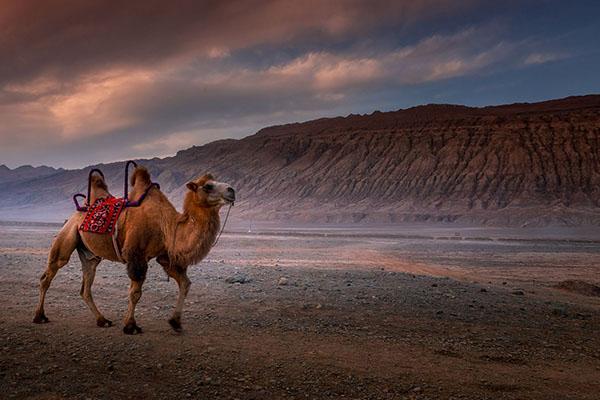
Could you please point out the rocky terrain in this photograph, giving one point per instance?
(521, 165)
(313, 316)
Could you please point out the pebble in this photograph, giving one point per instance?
(238, 279)
(283, 281)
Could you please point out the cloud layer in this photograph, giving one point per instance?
(84, 82)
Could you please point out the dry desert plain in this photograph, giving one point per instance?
(396, 313)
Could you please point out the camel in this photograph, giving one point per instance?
(155, 229)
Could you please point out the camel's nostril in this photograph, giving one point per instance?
(231, 193)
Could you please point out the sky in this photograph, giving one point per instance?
(84, 82)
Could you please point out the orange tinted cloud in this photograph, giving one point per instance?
(82, 82)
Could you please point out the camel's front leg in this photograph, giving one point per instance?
(180, 276)
(184, 287)
(135, 292)
(137, 274)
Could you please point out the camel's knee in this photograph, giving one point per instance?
(86, 284)
(85, 293)
(135, 293)
(46, 279)
(184, 285)
(135, 296)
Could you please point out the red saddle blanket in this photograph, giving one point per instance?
(102, 216)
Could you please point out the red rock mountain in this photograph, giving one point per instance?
(518, 164)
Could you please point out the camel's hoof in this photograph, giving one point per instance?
(102, 322)
(131, 329)
(40, 319)
(175, 324)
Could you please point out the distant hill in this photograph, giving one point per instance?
(519, 164)
(24, 173)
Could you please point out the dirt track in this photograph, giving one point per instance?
(342, 327)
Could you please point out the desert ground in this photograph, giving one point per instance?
(316, 313)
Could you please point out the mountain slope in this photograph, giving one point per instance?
(519, 164)
(24, 172)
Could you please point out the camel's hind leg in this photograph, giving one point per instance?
(180, 276)
(63, 246)
(89, 262)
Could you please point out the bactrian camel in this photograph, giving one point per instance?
(153, 230)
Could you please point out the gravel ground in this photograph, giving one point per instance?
(311, 317)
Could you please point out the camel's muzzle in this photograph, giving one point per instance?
(229, 195)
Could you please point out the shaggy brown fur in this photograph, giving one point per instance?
(152, 230)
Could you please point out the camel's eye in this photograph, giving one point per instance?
(208, 187)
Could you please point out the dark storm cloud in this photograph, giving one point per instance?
(83, 82)
(70, 37)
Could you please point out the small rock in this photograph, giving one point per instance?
(237, 279)
(483, 290)
(434, 285)
(283, 281)
(518, 293)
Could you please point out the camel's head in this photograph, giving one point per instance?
(205, 191)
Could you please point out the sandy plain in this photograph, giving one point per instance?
(315, 313)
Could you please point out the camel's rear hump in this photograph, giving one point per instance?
(141, 177)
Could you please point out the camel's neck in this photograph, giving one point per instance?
(195, 234)
(205, 223)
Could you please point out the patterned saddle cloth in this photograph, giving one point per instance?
(102, 216)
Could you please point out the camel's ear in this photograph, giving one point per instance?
(193, 186)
